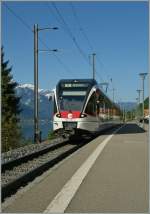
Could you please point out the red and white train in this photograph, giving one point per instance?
(81, 106)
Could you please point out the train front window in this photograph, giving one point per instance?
(71, 100)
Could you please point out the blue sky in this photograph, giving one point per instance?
(117, 32)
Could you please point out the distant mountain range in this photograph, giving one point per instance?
(26, 92)
(128, 106)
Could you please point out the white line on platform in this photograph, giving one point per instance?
(63, 198)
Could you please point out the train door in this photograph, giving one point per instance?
(98, 102)
(92, 112)
(101, 110)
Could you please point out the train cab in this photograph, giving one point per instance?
(80, 106)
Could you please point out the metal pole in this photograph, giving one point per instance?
(104, 84)
(113, 103)
(37, 132)
(139, 111)
(104, 107)
(137, 104)
(93, 65)
(139, 91)
(143, 75)
(36, 120)
(113, 95)
(143, 100)
(124, 115)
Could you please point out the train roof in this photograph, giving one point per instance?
(90, 81)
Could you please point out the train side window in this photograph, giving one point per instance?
(91, 106)
(55, 107)
(97, 107)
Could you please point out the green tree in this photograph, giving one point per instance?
(51, 135)
(146, 103)
(10, 108)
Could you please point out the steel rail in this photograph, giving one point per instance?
(12, 163)
(11, 187)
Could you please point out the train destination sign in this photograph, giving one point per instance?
(75, 85)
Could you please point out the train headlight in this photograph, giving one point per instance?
(58, 115)
(83, 115)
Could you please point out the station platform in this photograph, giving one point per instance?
(109, 174)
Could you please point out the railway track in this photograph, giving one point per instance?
(23, 154)
(19, 172)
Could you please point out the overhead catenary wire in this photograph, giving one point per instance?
(61, 21)
(69, 32)
(81, 29)
(18, 17)
(66, 68)
(57, 58)
(31, 31)
(83, 33)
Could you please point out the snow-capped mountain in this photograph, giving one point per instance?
(26, 87)
(26, 93)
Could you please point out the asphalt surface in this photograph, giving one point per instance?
(117, 181)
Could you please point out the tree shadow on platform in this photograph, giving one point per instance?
(131, 128)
